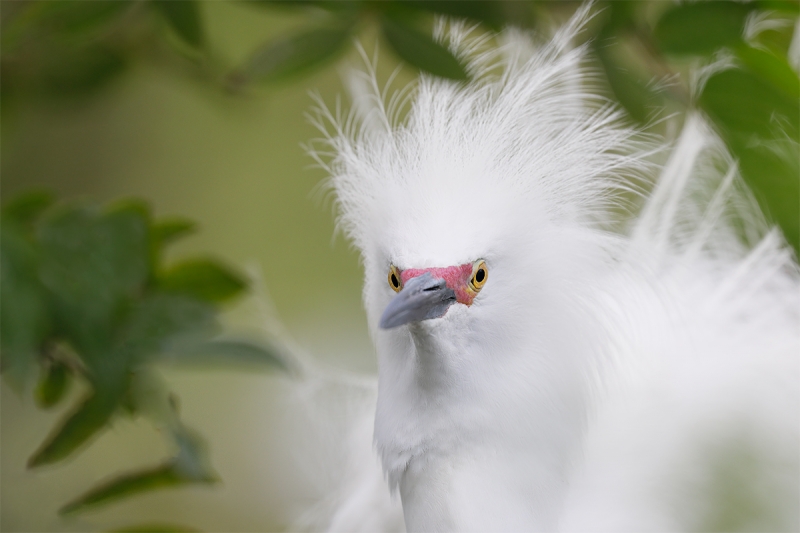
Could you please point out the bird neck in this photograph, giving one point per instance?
(472, 447)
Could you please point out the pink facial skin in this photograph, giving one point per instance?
(456, 277)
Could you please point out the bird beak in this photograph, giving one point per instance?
(421, 298)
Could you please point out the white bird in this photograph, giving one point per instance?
(542, 366)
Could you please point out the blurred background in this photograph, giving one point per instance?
(198, 109)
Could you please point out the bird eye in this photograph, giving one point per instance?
(395, 282)
(480, 273)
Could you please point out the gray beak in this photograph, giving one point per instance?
(422, 298)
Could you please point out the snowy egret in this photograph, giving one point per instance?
(539, 367)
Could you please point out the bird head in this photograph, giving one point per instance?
(477, 217)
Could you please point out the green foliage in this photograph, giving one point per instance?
(169, 230)
(86, 297)
(700, 28)
(204, 279)
(759, 121)
(224, 351)
(420, 50)
(155, 528)
(492, 13)
(184, 18)
(187, 467)
(52, 385)
(291, 55)
(284, 58)
(753, 104)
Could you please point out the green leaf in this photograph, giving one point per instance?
(52, 386)
(297, 53)
(748, 106)
(773, 177)
(93, 265)
(700, 28)
(490, 12)
(80, 17)
(190, 465)
(91, 415)
(192, 461)
(69, 22)
(205, 279)
(79, 73)
(636, 97)
(25, 318)
(421, 51)
(26, 208)
(227, 351)
(165, 232)
(787, 6)
(161, 320)
(169, 230)
(148, 395)
(619, 17)
(184, 18)
(760, 124)
(164, 476)
(772, 69)
(156, 528)
(339, 5)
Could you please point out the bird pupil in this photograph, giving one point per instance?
(480, 275)
(394, 280)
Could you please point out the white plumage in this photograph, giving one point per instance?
(610, 375)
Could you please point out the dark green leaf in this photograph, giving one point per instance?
(620, 15)
(700, 28)
(163, 233)
(761, 126)
(70, 22)
(160, 320)
(636, 97)
(26, 207)
(775, 180)
(490, 12)
(166, 475)
(156, 528)
(748, 106)
(80, 17)
(787, 6)
(771, 69)
(297, 53)
(91, 416)
(224, 351)
(25, 319)
(421, 51)
(184, 17)
(73, 73)
(93, 265)
(52, 385)
(166, 231)
(337, 6)
(205, 279)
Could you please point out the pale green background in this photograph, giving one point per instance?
(235, 165)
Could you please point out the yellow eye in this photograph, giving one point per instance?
(480, 273)
(395, 282)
